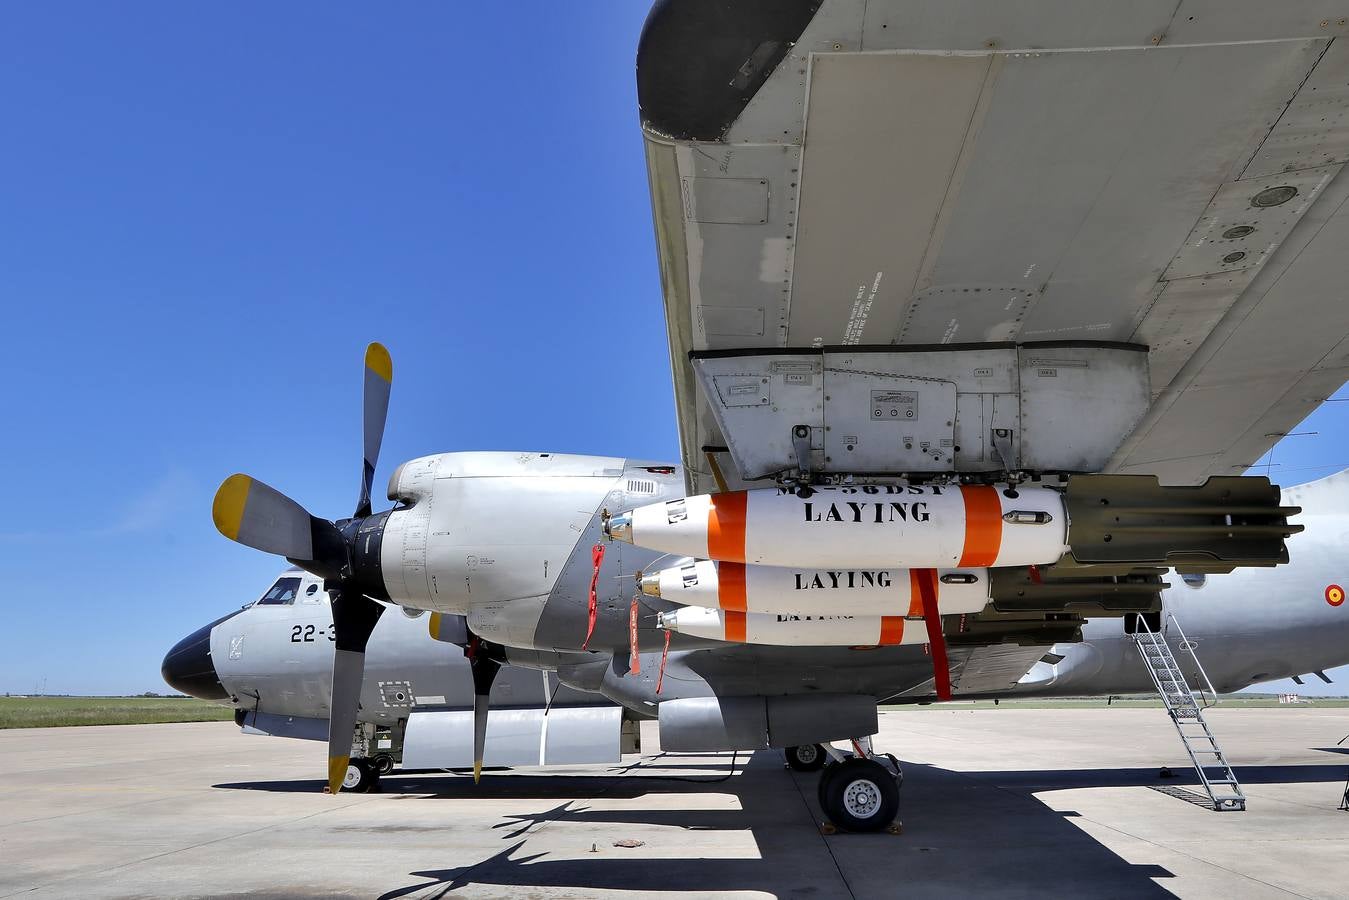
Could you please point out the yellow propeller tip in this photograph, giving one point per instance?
(337, 770)
(477, 770)
(377, 360)
(228, 509)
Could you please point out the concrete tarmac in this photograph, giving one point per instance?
(1004, 802)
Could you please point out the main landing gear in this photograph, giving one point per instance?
(860, 791)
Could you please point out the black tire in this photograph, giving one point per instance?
(383, 764)
(822, 787)
(361, 777)
(859, 795)
(806, 758)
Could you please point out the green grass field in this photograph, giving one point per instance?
(45, 712)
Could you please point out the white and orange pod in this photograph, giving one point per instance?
(869, 526)
(818, 592)
(794, 631)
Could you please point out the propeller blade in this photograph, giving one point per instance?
(354, 618)
(256, 515)
(484, 673)
(378, 382)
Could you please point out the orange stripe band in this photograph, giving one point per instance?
(983, 525)
(731, 586)
(918, 580)
(892, 630)
(735, 626)
(726, 527)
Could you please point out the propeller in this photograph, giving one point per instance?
(259, 516)
(484, 661)
(378, 383)
(484, 668)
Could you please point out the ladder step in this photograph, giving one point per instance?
(1184, 704)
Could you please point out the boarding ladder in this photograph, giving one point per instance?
(1186, 707)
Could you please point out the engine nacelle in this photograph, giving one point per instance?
(489, 528)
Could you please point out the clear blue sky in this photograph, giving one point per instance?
(207, 211)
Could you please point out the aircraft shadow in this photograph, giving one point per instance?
(492, 786)
(977, 833)
(962, 837)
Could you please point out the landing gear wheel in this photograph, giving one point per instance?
(361, 777)
(859, 795)
(830, 764)
(806, 758)
(383, 764)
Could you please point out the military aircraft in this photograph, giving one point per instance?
(997, 299)
(272, 662)
(268, 661)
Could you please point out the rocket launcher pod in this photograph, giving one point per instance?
(817, 592)
(1227, 521)
(1116, 521)
(794, 631)
(873, 526)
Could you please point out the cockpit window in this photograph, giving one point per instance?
(281, 593)
(311, 593)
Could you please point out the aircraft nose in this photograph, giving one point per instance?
(188, 668)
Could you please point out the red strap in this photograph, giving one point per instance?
(1035, 576)
(634, 658)
(597, 558)
(664, 655)
(941, 670)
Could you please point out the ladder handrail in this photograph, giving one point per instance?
(1179, 699)
(1156, 637)
(1188, 646)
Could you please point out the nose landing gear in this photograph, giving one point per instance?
(362, 777)
(806, 758)
(860, 793)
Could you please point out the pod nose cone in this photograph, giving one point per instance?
(619, 527)
(649, 583)
(188, 668)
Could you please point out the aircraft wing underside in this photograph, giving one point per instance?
(846, 176)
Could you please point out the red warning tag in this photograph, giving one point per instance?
(597, 559)
(634, 657)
